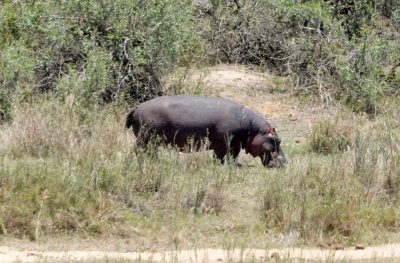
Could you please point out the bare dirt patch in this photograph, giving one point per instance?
(376, 253)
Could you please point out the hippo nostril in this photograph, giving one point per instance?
(281, 159)
(278, 162)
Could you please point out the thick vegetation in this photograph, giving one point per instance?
(95, 52)
(90, 52)
(68, 70)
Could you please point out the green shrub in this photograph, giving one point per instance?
(86, 89)
(113, 50)
(16, 74)
(337, 50)
(354, 15)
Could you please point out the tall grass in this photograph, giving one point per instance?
(331, 136)
(61, 173)
(344, 193)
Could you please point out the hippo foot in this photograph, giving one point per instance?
(238, 165)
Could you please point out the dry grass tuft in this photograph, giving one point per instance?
(36, 133)
(329, 136)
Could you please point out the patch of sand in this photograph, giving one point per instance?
(391, 251)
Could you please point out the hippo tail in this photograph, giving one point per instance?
(130, 119)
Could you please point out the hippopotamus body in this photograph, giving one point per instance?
(227, 126)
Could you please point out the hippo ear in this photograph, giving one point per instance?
(272, 132)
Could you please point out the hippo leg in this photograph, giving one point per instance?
(147, 145)
(220, 153)
(233, 154)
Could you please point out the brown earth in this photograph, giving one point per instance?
(374, 254)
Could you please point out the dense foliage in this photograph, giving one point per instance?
(94, 52)
(339, 49)
(90, 51)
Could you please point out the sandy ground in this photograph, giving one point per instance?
(377, 253)
(292, 119)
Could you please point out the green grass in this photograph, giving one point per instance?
(62, 174)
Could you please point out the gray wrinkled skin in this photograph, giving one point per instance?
(227, 127)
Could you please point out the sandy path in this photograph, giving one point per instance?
(391, 251)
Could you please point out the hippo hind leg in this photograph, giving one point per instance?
(147, 144)
(233, 155)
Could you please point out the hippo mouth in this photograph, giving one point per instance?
(273, 160)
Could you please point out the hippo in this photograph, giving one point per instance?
(226, 126)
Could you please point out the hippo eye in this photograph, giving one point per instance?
(274, 140)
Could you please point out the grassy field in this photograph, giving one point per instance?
(326, 74)
(67, 172)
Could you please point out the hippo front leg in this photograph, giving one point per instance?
(219, 153)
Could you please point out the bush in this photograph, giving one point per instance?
(353, 15)
(16, 74)
(86, 89)
(333, 50)
(112, 50)
(338, 50)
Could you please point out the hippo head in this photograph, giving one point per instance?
(267, 145)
